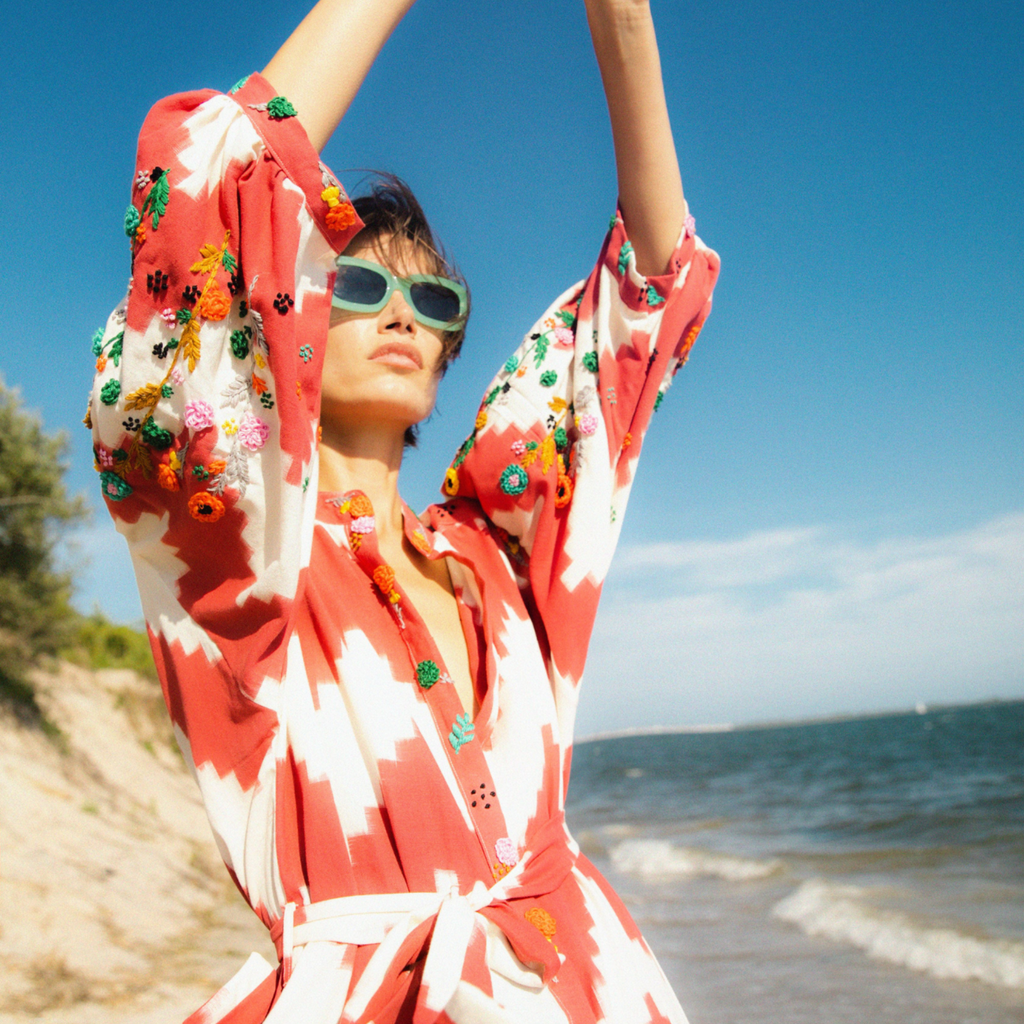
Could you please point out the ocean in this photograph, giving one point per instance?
(863, 870)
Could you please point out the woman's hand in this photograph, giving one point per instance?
(324, 61)
(650, 186)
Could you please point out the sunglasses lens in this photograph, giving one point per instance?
(360, 285)
(434, 300)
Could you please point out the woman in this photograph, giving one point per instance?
(379, 707)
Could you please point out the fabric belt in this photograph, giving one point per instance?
(402, 924)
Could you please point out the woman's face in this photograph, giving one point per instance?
(381, 368)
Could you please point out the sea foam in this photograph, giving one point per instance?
(653, 857)
(839, 912)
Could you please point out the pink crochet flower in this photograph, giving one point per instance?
(170, 317)
(178, 376)
(198, 415)
(690, 226)
(518, 447)
(588, 424)
(505, 850)
(364, 524)
(564, 338)
(105, 459)
(253, 432)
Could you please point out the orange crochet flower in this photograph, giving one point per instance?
(341, 216)
(542, 921)
(217, 466)
(627, 441)
(360, 506)
(563, 493)
(205, 507)
(384, 577)
(101, 364)
(167, 478)
(214, 305)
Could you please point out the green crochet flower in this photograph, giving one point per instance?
(514, 479)
(548, 378)
(279, 108)
(132, 220)
(240, 343)
(590, 361)
(511, 364)
(110, 392)
(561, 438)
(427, 673)
(113, 487)
(156, 437)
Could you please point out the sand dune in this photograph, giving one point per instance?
(114, 905)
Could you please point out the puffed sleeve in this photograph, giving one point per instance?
(557, 438)
(206, 399)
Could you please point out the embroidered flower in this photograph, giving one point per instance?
(563, 493)
(689, 226)
(590, 361)
(564, 338)
(561, 438)
(451, 482)
(279, 108)
(548, 378)
(364, 524)
(306, 352)
(230, 427)
(170, 316)
(132, 220)
(253, 432)
(155, 436)
(518, 447)
(514, 480)
(627, 441)
(420, 543)
(214, 304)
(167, 478)
(331, 196)
(542, 921)
(588, 424)
(341, 216)
(384, 578)
(511, 364)
(110, 392)
(142, 179)
(178, 376)
(481, 419)
(360, 506)
(240, 342)
(198, 415)
(205, 507)
(427, 673)
(114, 487)
(104, 458)
(505, 851)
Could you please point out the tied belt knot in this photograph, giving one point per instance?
(402, 925)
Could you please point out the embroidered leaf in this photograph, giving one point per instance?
(144, 398)
(529, 457)
(540, 351)
(462, 731)
(191, 347)
(156, 201)
(259, 384)
(115, 350)
(547, 452)
(210, 257)
(237, 391)
(228, 262)
(557, 404)
(566, 317)
(238, 467)
(139, 458)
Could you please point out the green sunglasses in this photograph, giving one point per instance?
(365, 287)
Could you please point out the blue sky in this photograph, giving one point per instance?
(857, 399)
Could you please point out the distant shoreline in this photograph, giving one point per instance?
(720, 727)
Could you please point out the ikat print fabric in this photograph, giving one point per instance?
(410, 860)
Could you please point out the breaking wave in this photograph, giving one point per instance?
(838, 913)
(656, 857)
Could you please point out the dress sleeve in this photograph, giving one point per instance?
(556, 441)
(206, 399)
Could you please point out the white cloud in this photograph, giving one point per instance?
(798, 622)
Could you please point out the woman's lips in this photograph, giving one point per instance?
(399, 355)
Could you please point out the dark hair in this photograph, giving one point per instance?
(393, 220)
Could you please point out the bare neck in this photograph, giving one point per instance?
(366, 460)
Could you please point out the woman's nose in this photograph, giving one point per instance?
(398, 315)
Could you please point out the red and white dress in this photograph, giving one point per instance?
(411, 863)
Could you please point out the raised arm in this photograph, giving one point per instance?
(650, 186)
(324, 61)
